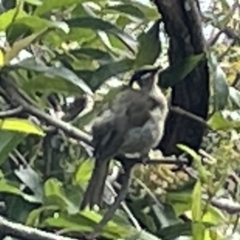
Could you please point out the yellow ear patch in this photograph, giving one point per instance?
(135, 86)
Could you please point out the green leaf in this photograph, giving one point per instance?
(68, 223)
(147, 236)
(83, 171)
(61, 72)
(50, 84)
(150, 46)
(85, 221)
(197, 213)
(175, 73)
(162, 215)
(22, 44)
(54, 195)
(20, 125)
(92, 53)
(31, 179)
(8, 141)
(12, 188)
(34, 216)
(34, 2)
(214, 215)
(234, 96)
(48, 5)
(198, 231)
(128, 9)
(35, 23)
(6, 18)
(9, 187)
(150, 12)
(180, 201)
(176, 230)
(204, 174)
(220, 87)
(220, 122)
(98, 24)
(106, 71)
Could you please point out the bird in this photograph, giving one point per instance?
(132, 123)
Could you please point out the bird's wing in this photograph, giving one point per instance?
(130, 109)
(109, 126)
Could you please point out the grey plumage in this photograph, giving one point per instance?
(133, 122)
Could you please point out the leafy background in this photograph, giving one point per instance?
(69, 57)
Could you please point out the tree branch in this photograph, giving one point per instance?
(11, 112)
(28, 233)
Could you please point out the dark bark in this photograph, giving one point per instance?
(183, 26)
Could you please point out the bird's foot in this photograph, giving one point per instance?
(179, 165)
(145, 160)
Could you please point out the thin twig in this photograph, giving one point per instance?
(28, 233)
(190, 115)
(226, 205)
(11, 112)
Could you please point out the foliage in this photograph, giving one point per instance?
(75, 49)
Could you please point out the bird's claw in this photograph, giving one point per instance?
(145, 160)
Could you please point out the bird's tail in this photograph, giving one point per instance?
(94, 192)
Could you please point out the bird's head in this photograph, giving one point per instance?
(145, 77)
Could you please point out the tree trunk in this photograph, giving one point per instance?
(183, 26)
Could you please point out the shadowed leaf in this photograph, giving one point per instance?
(51, 72)
(149, 46)
(220, 87)
(8, 141)
(175, 73)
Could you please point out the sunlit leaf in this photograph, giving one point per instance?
(180, 201)
(197, 202)
(12, 188)
(48, 5)
(83, 171)
(220, 87)
(68, 223)
(20, 125)
(8, 187)
(149, 46)
(85, 221)
(14, 50)
(214, 215)
(220, 122)
(34, 216)
(35, 23)
(7, 17)
(1, 57)
(234, 96)
(175, 73)
(54, 195)
(34, 2)
(198, 231)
